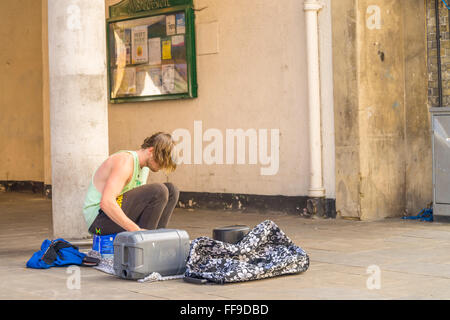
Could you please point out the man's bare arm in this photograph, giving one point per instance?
(121, 171)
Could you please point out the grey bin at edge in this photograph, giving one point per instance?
(440, 118)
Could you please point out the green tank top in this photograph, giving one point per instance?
(92, 201)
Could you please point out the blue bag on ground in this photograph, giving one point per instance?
(56, 253)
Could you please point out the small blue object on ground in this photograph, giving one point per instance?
(104, 245)
(424, 215)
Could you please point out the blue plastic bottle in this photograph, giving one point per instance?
(104, 245)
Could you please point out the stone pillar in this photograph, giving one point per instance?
(382, 122)
(346, 104)
(78, 107)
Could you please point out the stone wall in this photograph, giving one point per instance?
(252, 74)
(21, 91)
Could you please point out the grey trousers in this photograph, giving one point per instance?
(150, 206)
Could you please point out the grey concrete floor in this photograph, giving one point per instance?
(413, 259)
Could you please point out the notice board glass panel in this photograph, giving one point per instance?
(151, 55)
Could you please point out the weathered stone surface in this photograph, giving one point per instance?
(381, 114)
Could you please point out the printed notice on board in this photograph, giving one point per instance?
(156, 78)
(168, 77)
(181, 78)
(154, 51)
(167, 49)
(178, 41)
(178, 48)
(170, 25)
(139, 45)
(181, 23)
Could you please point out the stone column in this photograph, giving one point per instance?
(78, 107)
(383, 140)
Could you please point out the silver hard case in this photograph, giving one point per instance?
(138, 254)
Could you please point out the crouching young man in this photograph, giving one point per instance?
(118, 200)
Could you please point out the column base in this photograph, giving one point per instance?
(318, 208)
(316, 193)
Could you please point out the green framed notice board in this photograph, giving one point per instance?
(151, 50)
